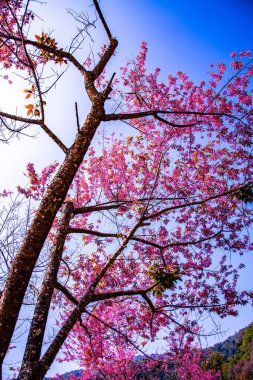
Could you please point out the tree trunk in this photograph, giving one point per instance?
(25, 260)
(38, 325)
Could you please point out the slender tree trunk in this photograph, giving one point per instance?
(53, 349)
(25, 260)
(29, 368)
(49, 357)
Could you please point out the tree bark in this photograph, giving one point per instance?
(29, 368)
(25, 260)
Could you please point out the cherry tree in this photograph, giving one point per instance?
(155, 214)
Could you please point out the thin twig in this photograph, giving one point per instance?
(77, 118)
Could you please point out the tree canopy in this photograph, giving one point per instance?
(131, 235)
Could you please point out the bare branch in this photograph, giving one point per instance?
(66, 292)
(73, 230)
(108, 87)
(101, 16)
(101, 207)
(54, 138)
(77, 118)
(202, 201)
(36, 122)
(103, 296)
(137, 115)
(21, 119)
(149, 302)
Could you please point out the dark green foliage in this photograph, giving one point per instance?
(245, 194)
(165, 277)
(240, 366)
(234, 356)
(244, 351)
(229, 346)
(214, 361)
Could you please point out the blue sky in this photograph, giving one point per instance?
(182, 35)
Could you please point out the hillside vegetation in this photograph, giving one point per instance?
(233, 358)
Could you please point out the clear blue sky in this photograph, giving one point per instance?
(182, 34)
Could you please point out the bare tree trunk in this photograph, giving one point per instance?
(29, 368)
(24, 262)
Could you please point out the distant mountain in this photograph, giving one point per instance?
(66, 375)
(229, 346)
(233, 357)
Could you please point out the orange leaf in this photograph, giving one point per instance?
(29, 107)
(29, 112)
(28, 96)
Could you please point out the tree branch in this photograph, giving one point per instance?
(101, 207)
(137, 115)
(77, 118)
(158, 213)
(73, 230)
(57, 52)
(37, 122)
(101, 16)
(148, 300)
(66, 292)
(74, 316)
(105, 58)
(21, 119)
(109, 87)
(103, 296)
(54, 138)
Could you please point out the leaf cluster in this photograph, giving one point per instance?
(166, 277)
(245, 194)
(47, 41)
